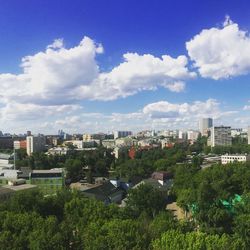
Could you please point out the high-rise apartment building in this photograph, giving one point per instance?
(35, 144)
(120, 134)
(204, 125)
(221, 136)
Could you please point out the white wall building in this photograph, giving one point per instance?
(58, 151)
(192, 135)
(204, 125)
(225, 159)
(9, 173)
(221, 136)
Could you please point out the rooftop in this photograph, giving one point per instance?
(19, 187)
(49, 171)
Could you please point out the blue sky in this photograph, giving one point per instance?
(116, 77)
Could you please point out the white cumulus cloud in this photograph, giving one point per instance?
(221, 52)
(165, 109)
(137, 73)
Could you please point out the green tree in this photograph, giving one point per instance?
(73, 169)
(162, 222)
(114, 234)
(145, 198)
(173, 240)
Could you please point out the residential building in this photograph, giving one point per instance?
(58, 151)
(35, 144)
(165, 142)
(163, 177)
(20, 144)
(87, 137)
(204, 125)
(6, 161)
(48, 181)
(192, 135)
(225, 159)
(183, 135)
(106, 191)
(120, 134)
(8, 174)
(80, 144)
(6, 142)
(125, 142)
(221, 136)
(146, 142)
(109, 143)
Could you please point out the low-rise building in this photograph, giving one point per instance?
(48, 181)
(6, 161)
(58, 151)
(20, 144)
(7, 191)
(109, 143)
(125, 142)
(9, 174)
(106, 191)
(225, 159)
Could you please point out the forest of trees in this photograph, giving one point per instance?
(69, 221)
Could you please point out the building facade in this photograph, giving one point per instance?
(204, 125)
(225, 159)
(35, 144)
(221, 136)
(20, 144)
(120, 134)
(48, 181)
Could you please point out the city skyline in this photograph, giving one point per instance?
(98, 66)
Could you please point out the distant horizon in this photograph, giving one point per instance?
(111, 132)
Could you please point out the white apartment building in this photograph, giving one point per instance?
(58, 151)
(35, 144)
(183, 135)
(192, 135)
(225, 159)
(204, 125)
(221, 136)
